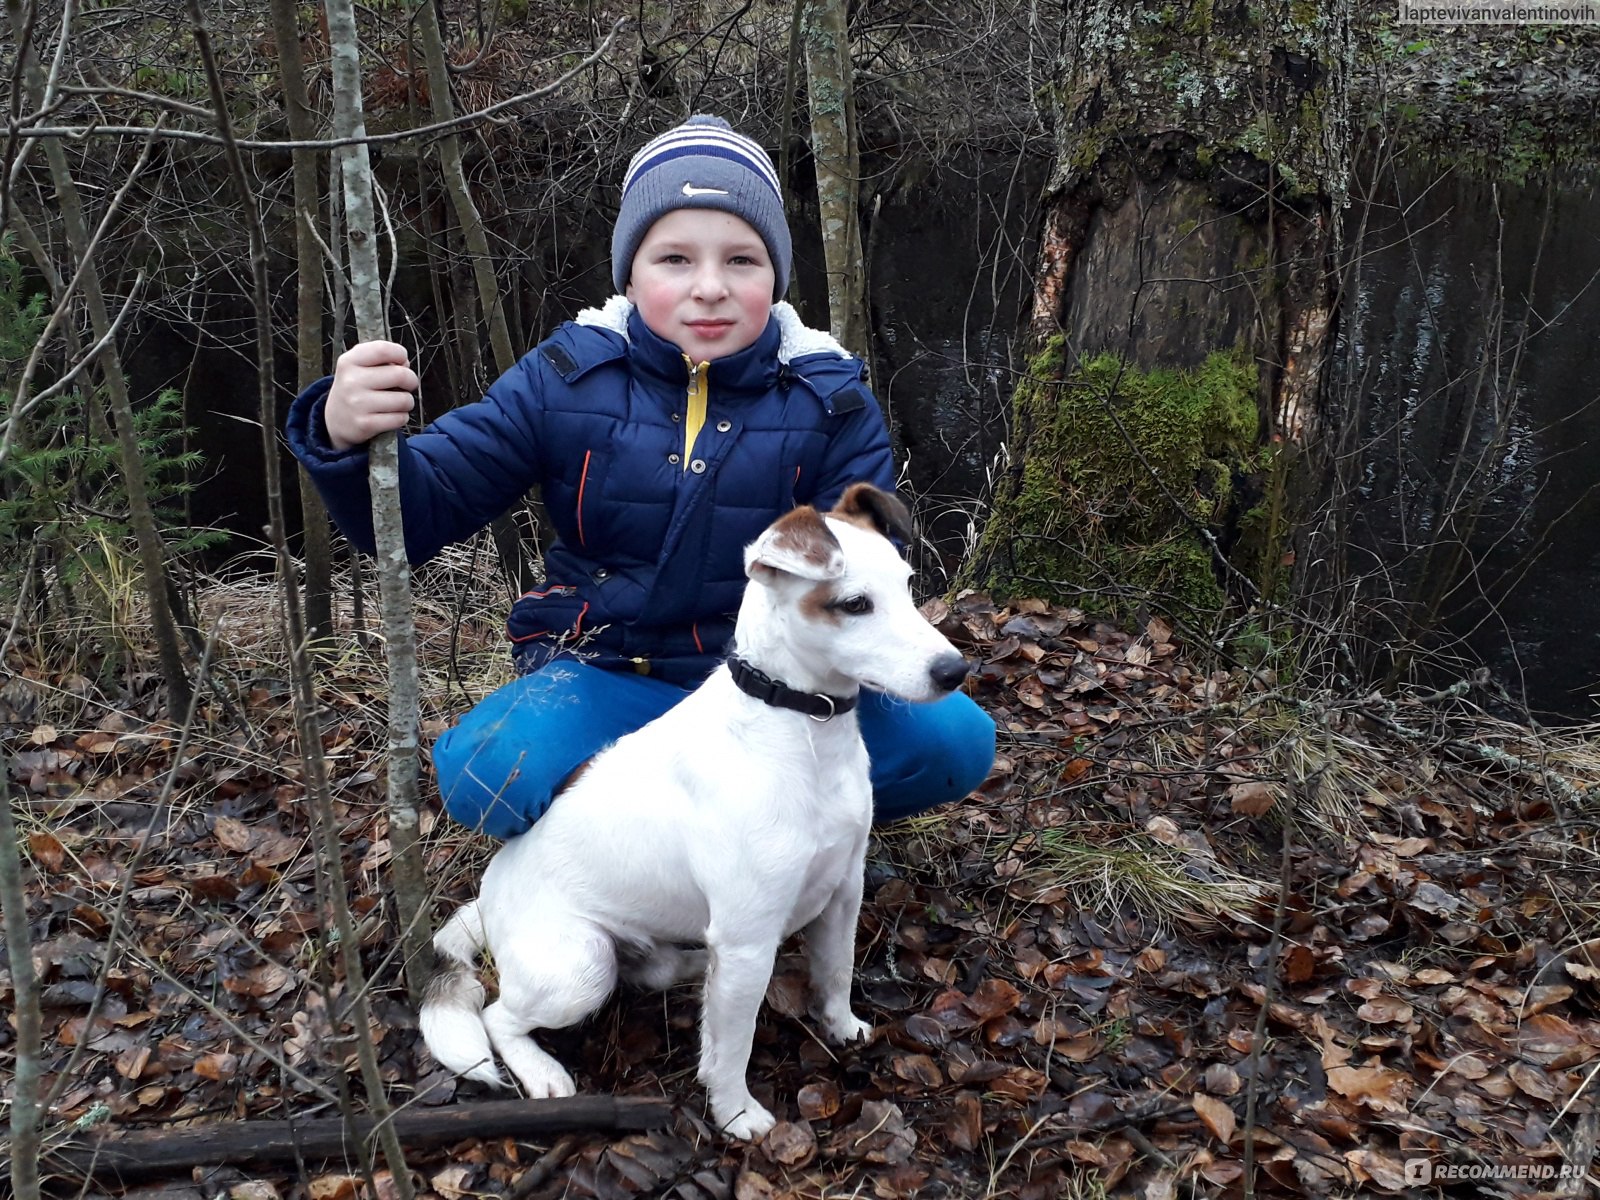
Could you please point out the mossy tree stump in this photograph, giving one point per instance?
(1183, 305)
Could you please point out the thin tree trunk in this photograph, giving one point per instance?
(507, 540)
(152, 553)
(833, 141)
(394, 572)
(791, 70)
(24, 1150)
(310, 341)
(342, 21)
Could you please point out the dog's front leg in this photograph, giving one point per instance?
(831, 949)
(736, 981)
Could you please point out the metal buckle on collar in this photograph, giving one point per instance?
(833, 709)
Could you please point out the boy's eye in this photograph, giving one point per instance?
(854, 605)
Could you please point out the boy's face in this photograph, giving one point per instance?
(702, 279)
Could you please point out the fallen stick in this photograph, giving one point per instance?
(161, 1151)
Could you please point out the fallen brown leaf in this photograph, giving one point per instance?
(993, 998)
(218, 1067)
(790, 1144)
(334, 1187)
(917, 1068)
(1252, 798)
(1216, 1116)
(818, 1101)
(1376, 1087)
(963, 1128)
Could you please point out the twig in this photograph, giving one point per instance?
(25, 1108)
(545, 1167)
(1269, 984)
(79, 132)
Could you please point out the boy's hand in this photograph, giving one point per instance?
(371, 393)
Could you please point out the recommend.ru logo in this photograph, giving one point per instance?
(1422, 1171)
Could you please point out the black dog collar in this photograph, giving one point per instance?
(819, 706)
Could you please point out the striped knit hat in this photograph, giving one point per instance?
(702, 163)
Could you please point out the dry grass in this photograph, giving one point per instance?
(1133, 873)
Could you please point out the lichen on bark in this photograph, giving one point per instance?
(1266, 78)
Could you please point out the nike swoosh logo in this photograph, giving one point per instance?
(689, 189)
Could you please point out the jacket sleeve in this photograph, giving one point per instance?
(462, 471)
(858, 451)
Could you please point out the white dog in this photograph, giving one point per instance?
(738, 817)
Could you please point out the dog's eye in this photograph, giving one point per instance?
(854, 605)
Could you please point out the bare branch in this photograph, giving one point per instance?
(15, 127)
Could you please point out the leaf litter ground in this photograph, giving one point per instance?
(1073, 976)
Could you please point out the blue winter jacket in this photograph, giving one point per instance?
(648, 567)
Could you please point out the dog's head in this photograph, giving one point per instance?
(835, 596)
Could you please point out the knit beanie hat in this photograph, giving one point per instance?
(702, 163)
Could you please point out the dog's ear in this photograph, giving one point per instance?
(797, 543)
(874, 508)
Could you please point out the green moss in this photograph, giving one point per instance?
(1200, 18)
(1087, 152)
(1263, 528)
(1113, 453)
(1305, 13)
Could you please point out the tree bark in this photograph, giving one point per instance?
(830, 86)
(331, 873)
(394, 571)
(141, 515)
(309, 338)
(1201, 158)
(168, 1151)
(25, 1132)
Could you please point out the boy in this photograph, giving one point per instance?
(668, 429)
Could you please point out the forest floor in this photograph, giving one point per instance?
(1074, 976)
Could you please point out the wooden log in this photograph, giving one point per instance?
(164, 1151)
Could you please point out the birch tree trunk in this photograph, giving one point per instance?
(830, 87)
(394, 571)
(329, 850)
(1183, 303)
(309, 339)
(141, 515)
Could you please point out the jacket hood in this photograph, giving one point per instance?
(795, 338)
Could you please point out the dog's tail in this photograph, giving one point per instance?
(451, 1022)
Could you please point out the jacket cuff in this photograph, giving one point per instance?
(307, 432)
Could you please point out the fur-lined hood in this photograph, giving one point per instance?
(799, 339)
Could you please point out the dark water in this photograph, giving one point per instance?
(1468, 360)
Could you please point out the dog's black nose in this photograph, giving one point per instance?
(948, 671)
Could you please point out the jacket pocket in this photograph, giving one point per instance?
(574, 493)
(555, 611)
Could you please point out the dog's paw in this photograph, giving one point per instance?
(749, 1123)
(847, 1029)
(546, 1082)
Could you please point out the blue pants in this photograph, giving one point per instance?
(499, 767)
